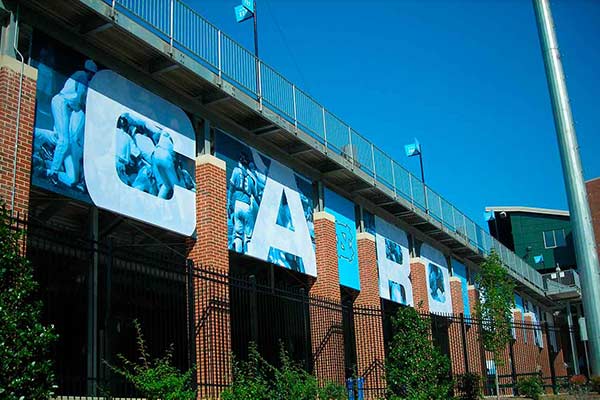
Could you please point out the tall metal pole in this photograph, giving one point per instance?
(255, 30)
(423, 179)
(583, 232)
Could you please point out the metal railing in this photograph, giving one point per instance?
(189, 32)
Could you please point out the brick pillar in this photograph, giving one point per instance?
(455, 331)
(368, 327)
(325, 306)
(532, 350)
(210, 251)
(418, 278)
(475, 354)
(10, 76)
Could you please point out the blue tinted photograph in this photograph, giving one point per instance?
(397, 292)
(393, 251)
(146, 160)
(437, 289)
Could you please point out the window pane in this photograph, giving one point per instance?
(560, 238)
(549, 241)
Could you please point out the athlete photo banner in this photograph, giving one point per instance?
(438, 280)
(102, 139)
(393, 261)
(269, 208)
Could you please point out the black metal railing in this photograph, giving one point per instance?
(93, 291)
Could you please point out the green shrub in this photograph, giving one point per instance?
(595, 383)
(333, 391)
(26, 370)
(256, 379)
(155, 379)
(415, 367)
(531, 387)
(469, 386)
(578, 387)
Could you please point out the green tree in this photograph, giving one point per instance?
(415, 368)
(26, 371)
(494, 309)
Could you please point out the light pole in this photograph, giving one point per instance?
(583, 232)
(415, 149)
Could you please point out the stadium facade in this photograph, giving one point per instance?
(166, 175)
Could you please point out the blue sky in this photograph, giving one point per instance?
(464, 77)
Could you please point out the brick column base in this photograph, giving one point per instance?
(455, 331)
(210, 254)
(325, 309)
(418, 278)
(10, 79)
(368, 328)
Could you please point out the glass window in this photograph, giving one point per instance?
(559, 236)
(549, 241)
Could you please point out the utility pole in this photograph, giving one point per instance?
(581, 220)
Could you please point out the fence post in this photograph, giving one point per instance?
(253, 310)
(351, 147)
(324, 129)
(305, 319)
(393, 177)
(513, 367)
(191, 296)
(551, 358)
(463, 334)
(373, 159)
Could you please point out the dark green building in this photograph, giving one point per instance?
(534, 232)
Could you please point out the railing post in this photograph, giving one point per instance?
(295, 107)
(324, 128)
(259, 85)
(113, 8)
(441, 209)
(412, 198)
(219, 56)
(171, 20)
(393, 177)
(373, 159)
(351, 146)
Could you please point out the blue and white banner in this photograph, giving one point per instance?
(345, 227)
(269, 208)
(100, 138)
(459, 270)
(393, 260)
(438, 280)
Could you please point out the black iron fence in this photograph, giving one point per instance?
(93, 292)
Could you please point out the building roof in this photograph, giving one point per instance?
(531, 210)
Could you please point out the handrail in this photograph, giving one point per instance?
(185, 29)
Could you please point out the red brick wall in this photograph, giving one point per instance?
(370, 347)
(210, 250)
(326, 317)
(9, 93)
(457, 354)
(593, 189)
(418, 277)
(475, 350)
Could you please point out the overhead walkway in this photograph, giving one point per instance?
(179, 54)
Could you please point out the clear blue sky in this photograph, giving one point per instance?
(464, 77)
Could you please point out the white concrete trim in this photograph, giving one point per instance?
(455, 279)
(471, 287)
(365, 236)
(210, 159)
(532, 210)
(323, 215)
(15, 65)
(416, 260)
